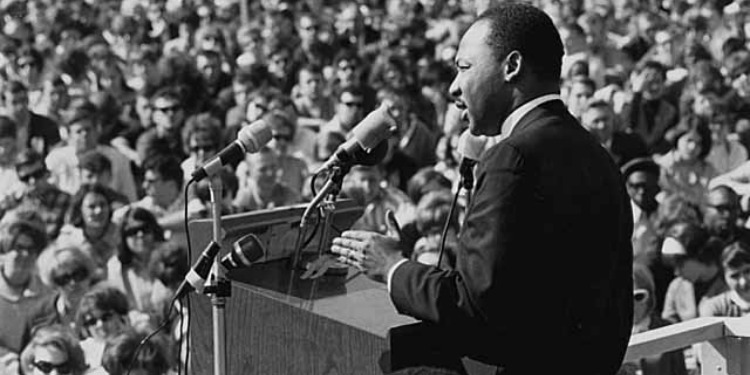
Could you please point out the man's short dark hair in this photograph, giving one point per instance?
(528, 30)
(95, 162)
(167, 166)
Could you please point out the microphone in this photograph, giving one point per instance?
(367, 136)
(199, 272)
(249, 140)
(471, 148)
(245, 252)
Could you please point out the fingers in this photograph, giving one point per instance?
(356, 255)
(357, 234)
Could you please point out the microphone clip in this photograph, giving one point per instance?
(221, 289)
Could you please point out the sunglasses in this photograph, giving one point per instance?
(135, 230)
(78, 276)
(353, 104)
(169, 109)
(640, 295)
(35, 175)
(283, 137)
(47, 367)
(90, 321)
(206, 148)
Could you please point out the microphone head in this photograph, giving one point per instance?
(374, 128)
(245, 252)
(375, 156)
(471, 146)
(254, 136)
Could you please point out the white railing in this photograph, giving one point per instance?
(724, 343)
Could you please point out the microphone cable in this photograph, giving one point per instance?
(446, 226)
(167, 318)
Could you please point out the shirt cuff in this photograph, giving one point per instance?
(392, 270)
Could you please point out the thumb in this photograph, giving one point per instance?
(394, 229)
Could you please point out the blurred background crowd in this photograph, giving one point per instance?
(107, 107)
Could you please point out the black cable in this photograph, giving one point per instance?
(163, 324)
(312, 182)
(185, 333)
(447, 225)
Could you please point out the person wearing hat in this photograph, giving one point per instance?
(641, 177)
(39, 194)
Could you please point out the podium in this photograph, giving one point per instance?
(278, 323)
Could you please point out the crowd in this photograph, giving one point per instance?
(107, 107)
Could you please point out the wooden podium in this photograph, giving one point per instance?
(280, 324)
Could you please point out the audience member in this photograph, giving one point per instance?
(696, 261)
(735, 302)
(83, 133)
(153, 357)
(70, 273)
(53, 348)
(40, 195)
(22, 238)
(599, 119)
(102, 315)
(684, 170)
(90, 226)
(260, 186)
(641, 181)
(33, 131)
(128, 270)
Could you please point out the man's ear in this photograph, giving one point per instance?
(512, 66)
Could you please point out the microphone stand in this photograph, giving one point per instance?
(325, 200)
(221, 289)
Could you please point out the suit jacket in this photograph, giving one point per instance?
(543, 278)
(665, 117)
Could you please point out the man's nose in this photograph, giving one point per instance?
(454, 90)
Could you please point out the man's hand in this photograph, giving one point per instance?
(371, 252)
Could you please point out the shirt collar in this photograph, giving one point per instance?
(515, 117)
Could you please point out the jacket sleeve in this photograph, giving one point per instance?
(490, 234)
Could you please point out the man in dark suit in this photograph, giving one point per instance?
(598, 118)
(543, 277)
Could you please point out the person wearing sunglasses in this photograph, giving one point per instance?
(54, 350)
(22, 238)
(202, 138)
(139, 234)
(646, 318)
(69, 272)
(294, 170)
(168, 117)
(39, 194)
(102, 315)
(349, 110)
(695, 258)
